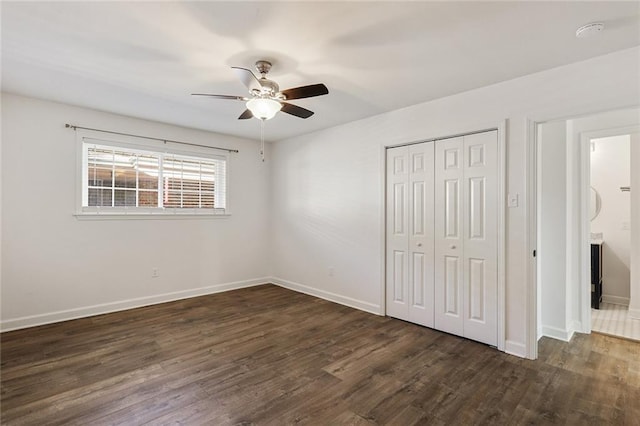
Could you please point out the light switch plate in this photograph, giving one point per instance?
(512, 200)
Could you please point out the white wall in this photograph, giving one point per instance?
(55, 266)
(328, 186)
(611, 169)
(552, 243)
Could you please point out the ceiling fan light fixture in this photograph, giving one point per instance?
(263, 108)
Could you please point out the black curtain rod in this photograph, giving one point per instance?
(71, 126)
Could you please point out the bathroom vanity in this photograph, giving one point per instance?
(596, 273)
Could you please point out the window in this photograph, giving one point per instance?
(122, 179)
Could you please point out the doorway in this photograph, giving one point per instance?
(563, 198)
(613, 154)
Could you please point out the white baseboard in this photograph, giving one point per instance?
(576, 327)
(515, 348)
(511, 347)
(616, 300)
(634, 313)
(557, 333)
(105, 308)
(332, 297)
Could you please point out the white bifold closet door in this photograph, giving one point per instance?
(442, 235)
(410, 242)
(466, 291)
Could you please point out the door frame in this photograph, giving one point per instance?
(532, 173)
(502, 128)
(585, 221)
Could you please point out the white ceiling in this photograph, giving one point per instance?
(143, 59)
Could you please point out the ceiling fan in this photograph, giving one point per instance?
(266, 98)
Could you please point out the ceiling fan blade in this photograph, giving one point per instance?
(246, 114)
(235, 98)
(296, 110)
(247, 78)
(306, 91)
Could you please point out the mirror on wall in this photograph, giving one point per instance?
(594, 203)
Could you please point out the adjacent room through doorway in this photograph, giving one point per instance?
(588, 225)
(610, 236)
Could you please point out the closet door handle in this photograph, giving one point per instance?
(453, 247)
(419, 244)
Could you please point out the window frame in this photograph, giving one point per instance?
(84, 138)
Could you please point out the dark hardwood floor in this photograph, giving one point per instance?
(266, 355)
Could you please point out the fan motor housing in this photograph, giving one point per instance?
(269, 86)
(263, 66)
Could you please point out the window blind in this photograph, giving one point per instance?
(117, 177)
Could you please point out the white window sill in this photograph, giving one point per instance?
(147, 216)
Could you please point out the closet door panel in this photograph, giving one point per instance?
(448, 300)
(421, 242)
(397, 251)
(480, 212)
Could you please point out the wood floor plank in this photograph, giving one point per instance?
(266, 355)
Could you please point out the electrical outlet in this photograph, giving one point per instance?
(512, 200)
(155, 273)
(626, 226)
(331, 271)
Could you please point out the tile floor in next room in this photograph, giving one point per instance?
(614, 320)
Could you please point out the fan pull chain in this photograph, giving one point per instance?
(262, 139)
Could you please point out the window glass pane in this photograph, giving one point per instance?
(172, 199)
(148, 199)
(172, 167)
(190, 200)
(99, 177)
(207, 200)
(147, 171)
(172, 183)
(123, 197)
(99, 197)
(194, 178)
(100, 157)
(147, 182)
(124, 169)
(207, 185)
(190, 185)
(125, 178)
(100, 164)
